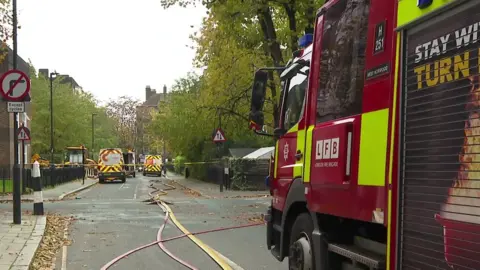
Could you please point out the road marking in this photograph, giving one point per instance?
(135, 194)
(121, 186)
(64, 249)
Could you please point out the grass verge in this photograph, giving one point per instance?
(6, 186)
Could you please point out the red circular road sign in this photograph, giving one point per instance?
(15, 85)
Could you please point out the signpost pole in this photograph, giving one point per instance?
(22, 162)
(219, 139)
(219, 145)
(83, 164)
(17, 210)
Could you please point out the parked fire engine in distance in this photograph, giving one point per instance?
(327, 178)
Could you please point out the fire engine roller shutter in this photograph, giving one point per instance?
(440, 177)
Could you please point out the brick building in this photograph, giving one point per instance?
(153, 101)
(66, 79)
(6, 119)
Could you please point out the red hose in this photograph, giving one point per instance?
(160, 241)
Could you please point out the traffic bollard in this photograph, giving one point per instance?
(37, 190)
(226, 179)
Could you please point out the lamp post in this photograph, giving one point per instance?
(17, 207)
(52, 74)
(83, 164)
(52, 166)
(93, 132)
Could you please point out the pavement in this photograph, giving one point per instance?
(211, 190)
(113, 218)
(58, 192)
(18, 243)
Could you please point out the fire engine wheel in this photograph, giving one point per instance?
(133, 174)
(124, 179)
(101, 180)
(300, 250)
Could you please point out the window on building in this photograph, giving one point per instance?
(294, 102)
(342, 60)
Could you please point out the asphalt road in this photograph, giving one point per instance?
(111, 219)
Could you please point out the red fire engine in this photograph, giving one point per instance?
(377, 157)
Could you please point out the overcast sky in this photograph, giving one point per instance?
(110, 47)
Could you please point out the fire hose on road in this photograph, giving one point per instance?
(169, 216)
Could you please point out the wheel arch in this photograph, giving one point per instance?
(295, 204)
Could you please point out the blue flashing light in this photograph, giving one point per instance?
(306, 40)
(424, 3)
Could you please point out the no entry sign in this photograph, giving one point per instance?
(15, 85)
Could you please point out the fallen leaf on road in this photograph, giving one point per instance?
(87, 250)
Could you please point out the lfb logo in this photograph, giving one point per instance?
(424, 3)
(327, 149)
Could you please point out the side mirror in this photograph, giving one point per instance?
(278, 132)
(259, 90)
(258, 99)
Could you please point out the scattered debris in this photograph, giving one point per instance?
(192, 193)
(256, 218)
(249, 196)
(251, 218)
(53, 239)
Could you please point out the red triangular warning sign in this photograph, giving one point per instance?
(23, 134)
(219, 136)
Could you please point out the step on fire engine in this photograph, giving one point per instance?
(377, 149)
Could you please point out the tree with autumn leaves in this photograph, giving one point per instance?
(236, 38)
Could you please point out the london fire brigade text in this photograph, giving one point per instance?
(327, 149)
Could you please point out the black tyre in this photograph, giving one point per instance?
(124, 179)
(144, 174)
(101, 180)
(133, 174)
(300, 256)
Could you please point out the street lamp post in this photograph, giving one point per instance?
(17, 207)
(52, 166)
(93, 132)
(51, 115)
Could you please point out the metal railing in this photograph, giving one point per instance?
(49, 177)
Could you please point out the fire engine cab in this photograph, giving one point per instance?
(377, 155)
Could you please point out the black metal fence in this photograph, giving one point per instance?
(49, 177)
(248, 174)
(242, 174)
